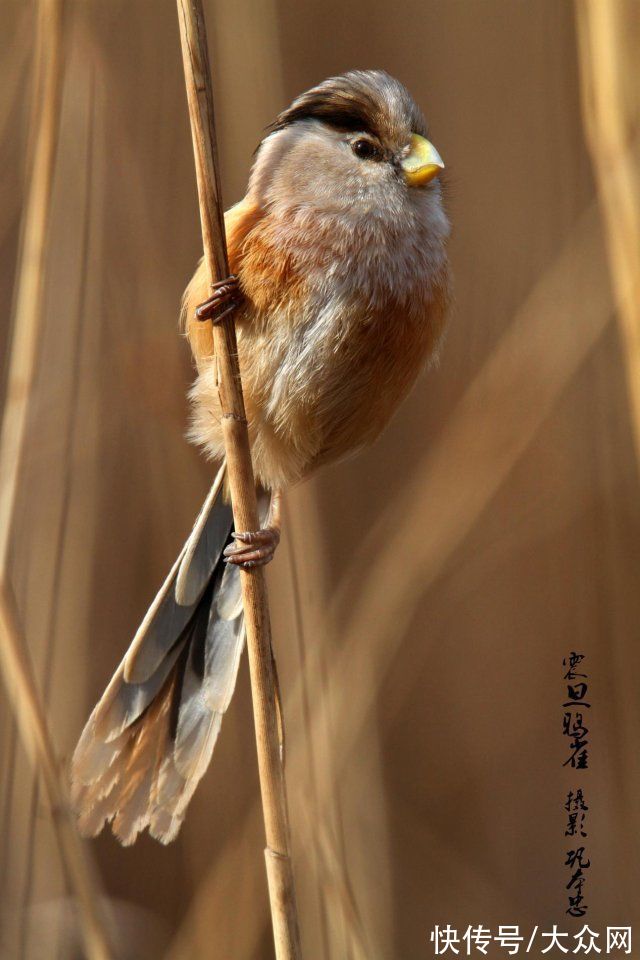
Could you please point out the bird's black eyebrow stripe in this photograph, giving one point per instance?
(341, 119)
(344, 120)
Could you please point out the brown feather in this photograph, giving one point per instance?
(238, 222)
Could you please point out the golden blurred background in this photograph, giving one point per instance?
(427, 591)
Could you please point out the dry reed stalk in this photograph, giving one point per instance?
(243, 494)
(612, 136)
(15, 661)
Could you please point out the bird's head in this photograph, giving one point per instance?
(354, 140)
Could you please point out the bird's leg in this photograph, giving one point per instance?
(226, 297)
(254, 549)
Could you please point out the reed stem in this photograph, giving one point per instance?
(15, 662)
(606, 49)
(242, 487)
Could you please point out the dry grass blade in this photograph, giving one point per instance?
(14, 658)
(242, 487)
(608, 54)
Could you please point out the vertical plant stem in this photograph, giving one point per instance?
(243, 494)
(608, 49)
(19, 678)
(15, 662)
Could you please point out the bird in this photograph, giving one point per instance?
(340, 290)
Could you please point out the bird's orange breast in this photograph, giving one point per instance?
(322, 369)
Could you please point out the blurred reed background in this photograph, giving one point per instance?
(428, 590)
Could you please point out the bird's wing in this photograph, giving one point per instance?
(238, 222)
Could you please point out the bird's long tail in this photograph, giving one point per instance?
(150, 738)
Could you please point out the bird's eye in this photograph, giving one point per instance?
(365, 150)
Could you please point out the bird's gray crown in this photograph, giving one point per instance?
(368, 101)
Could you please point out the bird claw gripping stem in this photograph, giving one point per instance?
(253, 549)
(225, 299)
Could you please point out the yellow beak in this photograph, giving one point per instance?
(422, 163)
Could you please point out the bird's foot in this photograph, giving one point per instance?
(253, 549)
(225, 299)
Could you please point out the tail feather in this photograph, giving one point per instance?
(150, 738)
(93, 756)
(225, 642)
(229, 596)
(130, 700)
(200, 552)
(143, 757)
(168, 616)
(209, 681)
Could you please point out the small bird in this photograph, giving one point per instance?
(340, 290)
